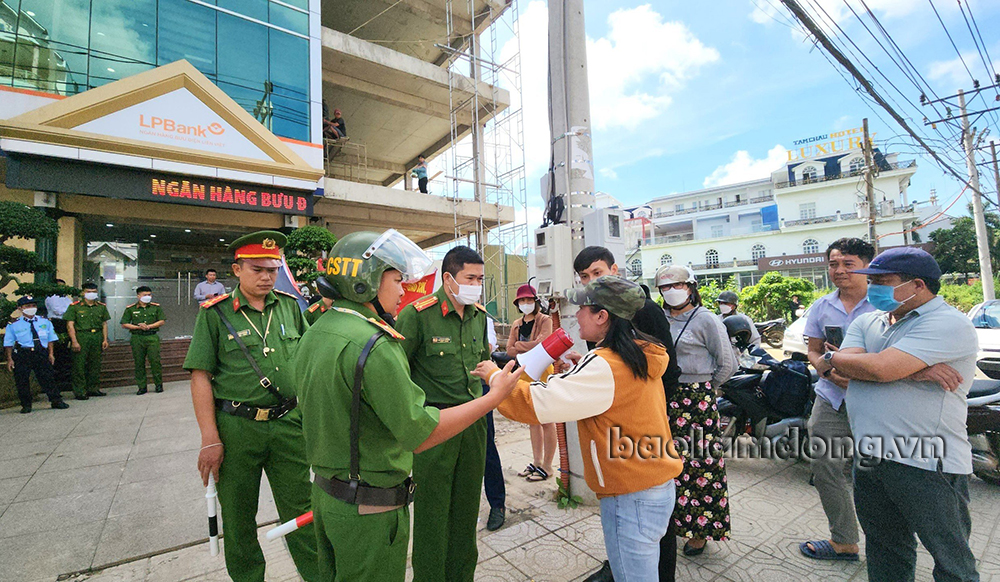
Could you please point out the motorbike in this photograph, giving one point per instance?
(772, 331)
(983, 425)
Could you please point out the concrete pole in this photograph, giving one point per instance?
(982, 236)
(996, 168)
(866, 147)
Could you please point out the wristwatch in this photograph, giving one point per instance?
(828, 359)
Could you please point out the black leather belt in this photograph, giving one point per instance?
(22, 349)
(360, 494)
(257, 413)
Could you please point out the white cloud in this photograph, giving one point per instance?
(634, 69)
(609, 173)
(743, 167)
(953, 72)
(769, 11)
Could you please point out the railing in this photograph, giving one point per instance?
(759, 199)
(724, 265)
(346, 160)
(884, 167)
(670, 238)
(716, 206)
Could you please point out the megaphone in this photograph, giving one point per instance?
(535, 361)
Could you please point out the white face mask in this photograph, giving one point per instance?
(527, 308)
(29, 312)
(90, 296)
(468, 294)
(674, 297)
(725, 309)
(146, 298)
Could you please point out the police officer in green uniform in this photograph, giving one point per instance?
(87, 324)
(144, 319)
(313, 312)
(244, 400)
(445, 339)
(360, 500)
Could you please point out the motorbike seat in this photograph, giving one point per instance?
(984, 388)
(814, 375)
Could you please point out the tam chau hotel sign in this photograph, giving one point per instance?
(828, 144)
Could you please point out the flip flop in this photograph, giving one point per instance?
(527, 470)
(823, 550)
(537, 475)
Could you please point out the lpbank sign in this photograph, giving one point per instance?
(178, 119)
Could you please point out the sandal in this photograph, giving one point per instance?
(823, 550)
(527, 470)
(537, 475)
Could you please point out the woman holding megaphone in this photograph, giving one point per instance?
(615, 395)
(526, 333)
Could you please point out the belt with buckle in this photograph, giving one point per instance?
(368, 499)
(256, 413)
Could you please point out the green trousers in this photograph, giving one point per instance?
(277, 448)
(449, 480)
(146, 346)
(359, 548)
(87, 362)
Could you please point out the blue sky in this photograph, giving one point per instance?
(690, 94)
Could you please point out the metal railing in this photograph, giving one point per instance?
(716, 206)
(667, 239)
(346, 160)
(883, 167)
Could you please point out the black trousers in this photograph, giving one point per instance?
(422, 184)
(27, 361)
(496, 491)
(668, 554)
(63, 367)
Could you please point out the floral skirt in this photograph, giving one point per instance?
(702, 509)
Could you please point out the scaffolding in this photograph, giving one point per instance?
(485, 162)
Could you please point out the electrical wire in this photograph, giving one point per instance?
(930, 220)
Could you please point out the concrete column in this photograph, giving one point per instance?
(70, 251)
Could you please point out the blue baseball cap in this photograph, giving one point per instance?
(903, 261)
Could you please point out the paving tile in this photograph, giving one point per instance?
(550, 559)
(94, 424)
(48, 485)
(45, 555)
(784, 546)
(9, 488)
(586, 535)
(510, 537)
(40, 515)
(85, 458)
(118, 436)
(499, 570)
(136, 534)
(163, 431)
(144, 497)
(17, 450)
(161, 467)
(21, 466)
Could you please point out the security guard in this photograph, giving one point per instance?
(144, 319)
(362, 415)
(446, 338)
(87, 323)
(244, 400)
(30, 343)
(316, 309)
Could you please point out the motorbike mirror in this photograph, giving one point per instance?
(799, 357)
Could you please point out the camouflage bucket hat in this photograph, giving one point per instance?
(619, 296)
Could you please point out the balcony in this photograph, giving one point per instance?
(670, 238)
(885, 167)
(716, 206)
(745, 230)
(724, 265)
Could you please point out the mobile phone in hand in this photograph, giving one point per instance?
(834, 334)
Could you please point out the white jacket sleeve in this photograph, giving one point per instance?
(585, 391)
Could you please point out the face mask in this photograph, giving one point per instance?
(527, 308)
(468, 294)
(29, 312)
(146, 298)
(675, 297)
(725, 309)
(883, 298)
(90, 296)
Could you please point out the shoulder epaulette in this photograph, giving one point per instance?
(422, 304)
(377, 323)
(481, 307)
(154, 303)
(75, 303)
(214, 300)
(133, 305)
(285, 293)
(318, 305)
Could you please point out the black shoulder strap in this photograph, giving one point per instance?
(683, 329)
(264, 381)
(355, 468)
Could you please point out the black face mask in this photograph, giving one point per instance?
(385, 315)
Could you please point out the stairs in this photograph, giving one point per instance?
(118, 369)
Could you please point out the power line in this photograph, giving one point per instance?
(959, 53)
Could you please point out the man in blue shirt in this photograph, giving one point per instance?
(420, 172)
(29, 343)
(829, 422)
(910, 365)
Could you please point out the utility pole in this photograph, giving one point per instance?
(996, 169)
(866, 147)
(982, 236)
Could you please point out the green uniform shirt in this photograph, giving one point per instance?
(443, 348)
(393, 419)
(86, 317)
(215, 351)
(314, 311)
(140, 312)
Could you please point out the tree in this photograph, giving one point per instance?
(305, 246)
(771, 297)
(710, 291)
(21, 221)
(955, 248)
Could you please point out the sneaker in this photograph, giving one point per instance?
(496, 519)
(82, 397)
(602, 575)
(26, 409)
(60, 405)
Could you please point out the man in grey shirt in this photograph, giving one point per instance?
(910, 366)
(209, 288)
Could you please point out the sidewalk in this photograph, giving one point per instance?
(110, 485)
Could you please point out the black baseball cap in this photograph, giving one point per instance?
(903, 261)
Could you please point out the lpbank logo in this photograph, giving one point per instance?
(170, 126)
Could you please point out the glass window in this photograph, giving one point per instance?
(289, 65)
(666, 259)
(810, 246)
(857, 165)
(252, 8)
(758, 252)
(290, 118)
(809, 173)
(49, 66)
(288, 18)
(679, 207)
(717, 231)
(712, 258)
(7, 40)
(635, 267)
(807, 210)
(242, 52)
(63, 21)
(303, 4)
(126, 28)
(188, 31)
(103, 70)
